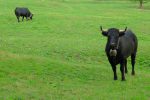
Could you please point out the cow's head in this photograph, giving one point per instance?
(31, 15)
(113, 35)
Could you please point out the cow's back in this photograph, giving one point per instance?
(128, 44)
(132, 36)
(21, 11)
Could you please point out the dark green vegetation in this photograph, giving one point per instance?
(141, 2)
(60, 54)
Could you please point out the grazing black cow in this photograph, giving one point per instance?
(120, 45)
(24, 12)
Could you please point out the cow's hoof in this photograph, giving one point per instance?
(115, 78)
(123, 80)
(133, 73)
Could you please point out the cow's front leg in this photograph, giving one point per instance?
(122, 65)
(114, 70)
(18, 18)
(26, 18)
(22, 18)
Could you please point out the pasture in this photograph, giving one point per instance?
(59, 55)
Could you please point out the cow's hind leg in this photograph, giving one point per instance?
(126, 69)
(122, 69)
(133, 63)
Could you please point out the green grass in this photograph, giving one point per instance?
(60, 54)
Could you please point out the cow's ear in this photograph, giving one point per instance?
(122, 32)
(104, 32)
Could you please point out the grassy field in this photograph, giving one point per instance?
(59, 55)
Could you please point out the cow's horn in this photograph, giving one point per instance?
(103, 30)
(123, 30)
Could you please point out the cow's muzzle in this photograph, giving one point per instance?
(113, 52)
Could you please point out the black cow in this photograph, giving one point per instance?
(120, 45)
(24, 12)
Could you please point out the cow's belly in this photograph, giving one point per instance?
(127, 49)
(23, 14)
